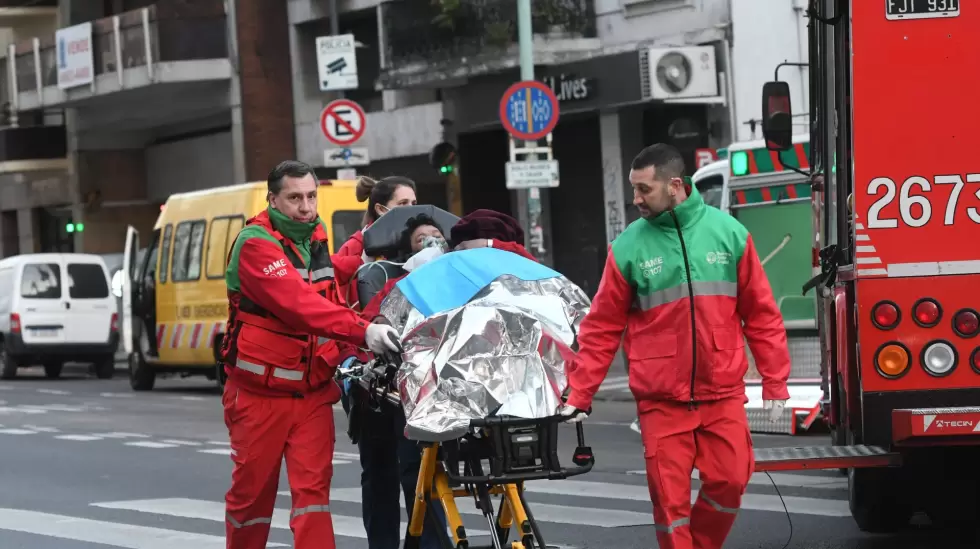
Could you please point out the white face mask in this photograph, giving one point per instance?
(426, 255)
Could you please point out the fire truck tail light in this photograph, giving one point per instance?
(892, 360)
(927, 312)
(966, 323)
(885, 315)
(939, 358)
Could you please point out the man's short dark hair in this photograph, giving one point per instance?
(666, 160)
(287, 168)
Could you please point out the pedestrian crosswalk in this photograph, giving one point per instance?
(568, 511)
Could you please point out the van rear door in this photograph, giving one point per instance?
(41, 302)
(90, 303)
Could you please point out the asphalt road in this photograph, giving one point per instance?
(89, 464)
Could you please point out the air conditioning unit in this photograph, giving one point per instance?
(682, 73)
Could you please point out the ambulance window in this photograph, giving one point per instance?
(188, 247)
(345, 224)
(710, 189)
(41, 281)
(165, 254)
(217, 238)
(224, 230)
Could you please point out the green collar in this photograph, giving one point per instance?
(294, 230)
(687, 212)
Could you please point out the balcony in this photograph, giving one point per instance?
(33, 148)
(437, 41)
(134, 50)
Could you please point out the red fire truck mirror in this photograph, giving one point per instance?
(777, 116)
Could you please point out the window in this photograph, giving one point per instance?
(345, 224)
(87, 281)
(224, 230)
(41, 281)
(165, 253)
(711, 189)
(188, 248)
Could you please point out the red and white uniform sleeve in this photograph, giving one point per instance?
(763, 325)
(290, 298)
(600, 335)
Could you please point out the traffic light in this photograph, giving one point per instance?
(443, 158)
(74, 227)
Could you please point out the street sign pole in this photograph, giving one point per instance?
(530, 200)
(335, 30)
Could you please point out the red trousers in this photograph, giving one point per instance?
(263, 429)
(712, 437)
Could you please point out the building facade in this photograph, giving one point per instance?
(145, 99)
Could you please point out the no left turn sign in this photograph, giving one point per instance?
(343, 122)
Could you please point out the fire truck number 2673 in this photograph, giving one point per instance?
(906, 200)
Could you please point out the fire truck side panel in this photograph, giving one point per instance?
(914, 89)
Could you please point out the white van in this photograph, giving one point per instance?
(56, 308)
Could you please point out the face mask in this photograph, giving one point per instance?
(426, 255)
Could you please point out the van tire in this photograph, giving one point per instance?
(141, 375)
(105, 368)
(52, 369)
(8, 367)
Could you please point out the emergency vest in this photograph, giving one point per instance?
(262, 352)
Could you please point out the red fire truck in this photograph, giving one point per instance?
(895, 122)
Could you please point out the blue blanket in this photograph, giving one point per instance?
(453, 279)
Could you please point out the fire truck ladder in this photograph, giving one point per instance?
(824, 457)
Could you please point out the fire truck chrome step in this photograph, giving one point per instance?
(823, 457)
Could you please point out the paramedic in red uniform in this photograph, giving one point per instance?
(279, 396)
(687, 357)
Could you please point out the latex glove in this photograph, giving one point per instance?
(775, 408)
(573, 414)
(382, 338)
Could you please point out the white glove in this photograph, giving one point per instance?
(775, 408)
(381, 338)
(573, 414)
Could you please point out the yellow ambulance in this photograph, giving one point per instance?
(175, 304)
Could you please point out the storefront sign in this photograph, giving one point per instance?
(570, 87)
(76, 66)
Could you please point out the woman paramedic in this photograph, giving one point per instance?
(389, 461)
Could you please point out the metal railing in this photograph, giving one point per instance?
(138, 38)
(446, 31)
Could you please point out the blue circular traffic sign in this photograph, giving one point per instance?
(529, 110)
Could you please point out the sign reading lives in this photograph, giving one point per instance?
(921, 9)
(569, 87)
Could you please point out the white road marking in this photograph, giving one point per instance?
(20, 410)
(220, 442)
(53, 392)
(82, 438)
(115, 434)
(181, 442)
(344, 526)
(149, 444)
(56, 407)
(6, 388)
(40, 429)
(220, 451)
(115, 534)
(17, 432)
(782, 480)
(752, 502)
(543, 512)
(191, 398)
(116, 395)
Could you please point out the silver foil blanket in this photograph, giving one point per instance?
(503, 353)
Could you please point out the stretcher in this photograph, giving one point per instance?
(490, 464)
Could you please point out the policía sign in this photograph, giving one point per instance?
(76, 66)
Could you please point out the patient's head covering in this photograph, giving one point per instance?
(487, 224)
